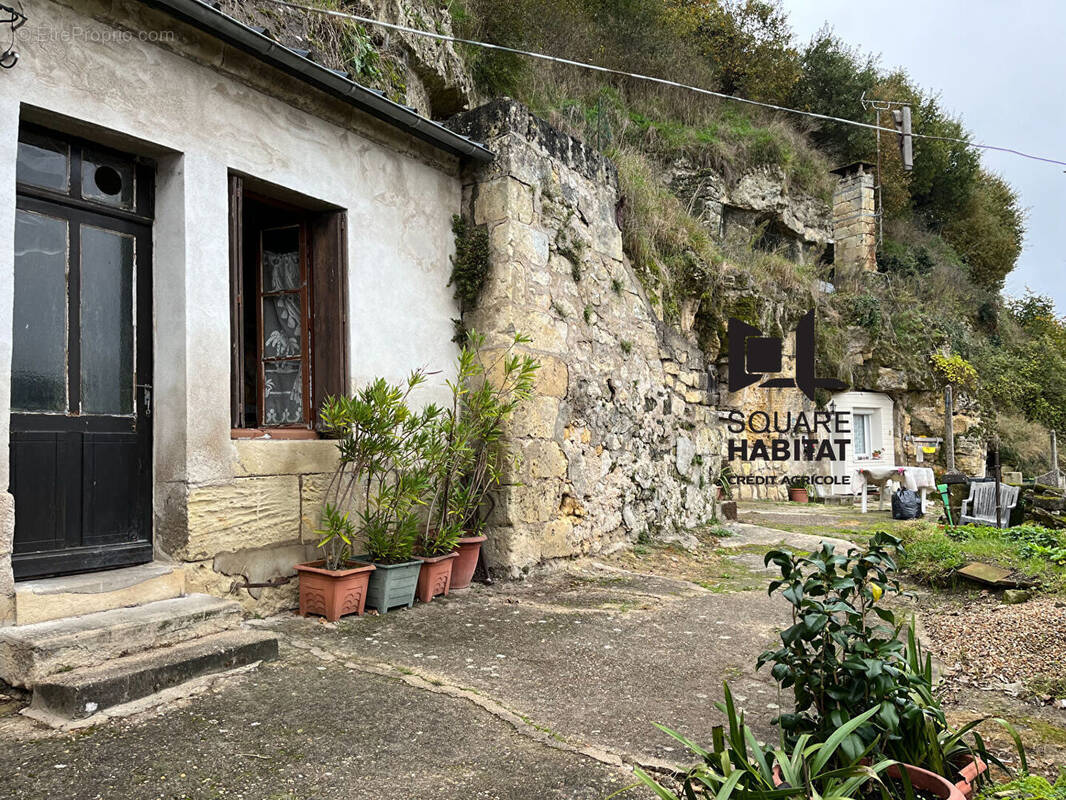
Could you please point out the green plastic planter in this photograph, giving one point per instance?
(392, 585)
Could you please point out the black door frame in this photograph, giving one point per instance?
(76, 557)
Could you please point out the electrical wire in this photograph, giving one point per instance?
(651, 79)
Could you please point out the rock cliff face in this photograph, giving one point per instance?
(424, 73)
(621, 439)
(624, 437)
(760, 204)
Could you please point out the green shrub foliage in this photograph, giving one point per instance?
(842, 652)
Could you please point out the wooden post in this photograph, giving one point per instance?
(995, 468)
(949, 429)
(1054, 459)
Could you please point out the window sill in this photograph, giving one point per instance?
(284, 434)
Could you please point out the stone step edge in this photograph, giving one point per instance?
(86, 691)
(26, 650)
(189, 688)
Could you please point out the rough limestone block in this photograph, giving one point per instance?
(203, 577)
(7, 537)
(535, 418)
(530, 504)
(544, 459)
(313, 501)
(501, 199)
(1013, 597)
(555, 542)
(511, 551)
(552, 378)
(684, 454)
(244, 513)
(529, 246)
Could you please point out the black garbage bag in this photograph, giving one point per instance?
(906, 504)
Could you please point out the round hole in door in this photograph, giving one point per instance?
(108, 180)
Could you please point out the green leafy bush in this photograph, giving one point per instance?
(385, 450)
(336, 536)
(842, 653)
(470, 264)
(1026, 787)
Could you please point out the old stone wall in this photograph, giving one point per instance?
(621, 438)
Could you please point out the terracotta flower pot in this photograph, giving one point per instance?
(927, 781)
(972, 768)
(797, 494)
(392, 585)
(333, 593)
(463, 567)
(435, 577)
(920, 779)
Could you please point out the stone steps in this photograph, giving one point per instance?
(32, 653)
(43, 599)
(70, 696)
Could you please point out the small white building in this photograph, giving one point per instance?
(873, 435)
(202, 234)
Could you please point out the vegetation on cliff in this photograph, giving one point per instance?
(952, 231)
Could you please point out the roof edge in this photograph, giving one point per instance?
(236, 33)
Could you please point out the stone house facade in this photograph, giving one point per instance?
(201, 235)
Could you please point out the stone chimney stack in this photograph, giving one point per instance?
(855, 218)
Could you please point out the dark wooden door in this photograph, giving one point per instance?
(81, 434)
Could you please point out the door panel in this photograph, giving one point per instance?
(35, 471)
(109, 480)
(81, 450)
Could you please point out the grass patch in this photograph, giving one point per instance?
(932, 553)
(1027, 787)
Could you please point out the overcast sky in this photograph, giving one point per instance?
(1000, 66)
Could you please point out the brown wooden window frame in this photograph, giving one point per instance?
(323, 304)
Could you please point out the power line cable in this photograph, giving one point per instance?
(650, 78)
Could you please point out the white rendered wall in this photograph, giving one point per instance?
(179, 105)
(883, 434)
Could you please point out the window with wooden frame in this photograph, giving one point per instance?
(288, 315)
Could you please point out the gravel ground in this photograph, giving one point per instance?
(1017, 649)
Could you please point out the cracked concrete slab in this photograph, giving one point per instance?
(303, 728)
(639, 651)
(545, 688)
(745, 535)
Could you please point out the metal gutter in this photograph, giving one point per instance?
(236, 33)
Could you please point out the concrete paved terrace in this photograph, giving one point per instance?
(546, 688)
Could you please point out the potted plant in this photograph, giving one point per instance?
(382, 470)
(725, 485)
(737, 764)
(844, 651)
(799, 488)
(438, 554)
(335, 585)
(470, 458)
